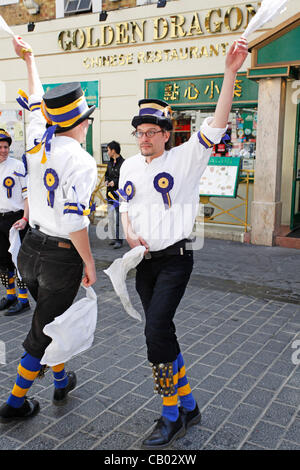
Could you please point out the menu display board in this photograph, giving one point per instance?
(220, 178)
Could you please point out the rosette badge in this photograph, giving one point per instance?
(129, 190)
(163, 183)
(51, 182)
(9, 183)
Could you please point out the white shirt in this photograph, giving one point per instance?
(160, 225)
(57, 212)
(13, 188)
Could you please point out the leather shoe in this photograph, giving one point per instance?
(189, 418)
(29, 408)
(164, 433)
(61, 394)
(18, 307)
(112, 242)
(5, 302)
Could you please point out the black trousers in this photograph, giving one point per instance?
(6, 223)
(161, 283)
(53, 275)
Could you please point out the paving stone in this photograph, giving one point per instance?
(245, 415)
(63, 428)
(289, 395)
(228, 437)
(237, 351)
(266, 434)
(259, 397)
(293, 432)
(227, 399)
(279, 413)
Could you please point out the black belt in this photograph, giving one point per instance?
(179, 248)
(60, 242)
(8, 214)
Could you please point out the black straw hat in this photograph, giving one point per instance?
(5, 136)
(65, 106)
(154, 112)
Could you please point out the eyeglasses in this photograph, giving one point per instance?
(149, 134)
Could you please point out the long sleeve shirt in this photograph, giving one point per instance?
(164, 194)
(60, 189)
(13, 188)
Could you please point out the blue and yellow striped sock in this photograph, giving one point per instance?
(11, 290)
(28, 370)
(184, 390)
(23, 295)
(60, 376)
(170, 404)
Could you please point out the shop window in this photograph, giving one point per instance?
(241, 131)
(77, 6)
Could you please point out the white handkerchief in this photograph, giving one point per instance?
(73, 331)
(117, 272)
(15, 243)
(268, 10)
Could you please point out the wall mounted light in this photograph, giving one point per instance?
(30, 26)
(103, 15)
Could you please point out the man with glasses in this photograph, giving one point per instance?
(160, 203)
(61, 178)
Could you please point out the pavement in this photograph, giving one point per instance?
(238, 325)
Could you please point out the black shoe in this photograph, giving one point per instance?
(5, 302)
(18, 307)
(61, 394)
(117, 245)
(164, 433)
(112, 242)
(189, 418)
(29, 408)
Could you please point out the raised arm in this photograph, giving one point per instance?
(235, 58)
(23, 50)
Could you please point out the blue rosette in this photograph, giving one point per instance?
(129, 190)
(51, 181)
(9, 183)
(163, 183)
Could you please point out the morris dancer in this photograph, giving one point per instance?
(159, 185)
(13, 213)
(61, 178)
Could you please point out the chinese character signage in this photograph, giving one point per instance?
(201, 90)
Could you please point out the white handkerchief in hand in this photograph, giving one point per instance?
(117, 272)
(73, 331)
(268, 10)
(15, 243)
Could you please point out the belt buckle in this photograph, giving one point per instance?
(148, 255)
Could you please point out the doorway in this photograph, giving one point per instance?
(295, 215)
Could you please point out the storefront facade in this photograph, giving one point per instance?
(176, 53)
(276, 203)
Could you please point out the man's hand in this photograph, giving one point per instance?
(111, 184)
(89, 275)
(20, 224)
(135, 240)
(22, 48)
(237, 55)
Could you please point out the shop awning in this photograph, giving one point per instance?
(276, 53)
